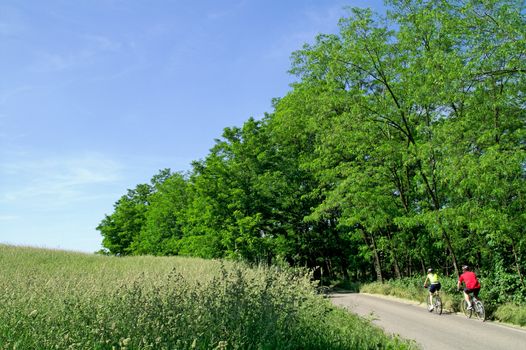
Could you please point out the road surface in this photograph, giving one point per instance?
(447, 331)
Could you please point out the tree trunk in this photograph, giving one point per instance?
(517, 264)
(370, 242)
(393, 255)
(377, 264)
(449, 246)
(345, 273)
(420, 258)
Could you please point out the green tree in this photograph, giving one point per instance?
(121, 228)
(165, 218)
(401, 146)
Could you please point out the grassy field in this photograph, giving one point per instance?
(64, 300)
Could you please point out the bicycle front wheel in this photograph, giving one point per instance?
(479, 310)
(464, 307)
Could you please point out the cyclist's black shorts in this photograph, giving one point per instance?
(475, 291)
(434, 287)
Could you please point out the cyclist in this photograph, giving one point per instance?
(434, 286)
(472, 284)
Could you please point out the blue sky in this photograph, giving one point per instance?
(97, 95)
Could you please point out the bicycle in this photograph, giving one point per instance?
(436, 301)
(477, 308)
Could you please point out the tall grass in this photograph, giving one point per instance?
(63, 300)
(511, 313)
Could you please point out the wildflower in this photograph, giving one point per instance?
(33, 313)
(222, 345)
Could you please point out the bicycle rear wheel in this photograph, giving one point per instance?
(438, 304)
(465, 310)
(479, 310)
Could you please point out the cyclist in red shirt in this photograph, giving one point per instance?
(471, 282)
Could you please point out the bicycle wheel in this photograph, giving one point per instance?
(479, 310)
(465, 310)
(438, 304)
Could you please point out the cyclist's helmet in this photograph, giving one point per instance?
(465, 267)
(429, 270)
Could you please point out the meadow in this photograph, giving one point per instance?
(65, 300)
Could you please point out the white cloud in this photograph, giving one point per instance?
(57, 181)
(90, 49)
(6, 94)
(103, 43)
(225, 12)
(57, 200)
(324, 20)
(314, 21)
(56, 62)
(8, 217)
(289, 44)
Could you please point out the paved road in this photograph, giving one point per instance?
(447, 331)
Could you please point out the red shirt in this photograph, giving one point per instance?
(470, 279)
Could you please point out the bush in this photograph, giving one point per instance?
(512, 313)
(503, 287)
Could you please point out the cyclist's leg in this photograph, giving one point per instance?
(432, 289)
(475, 292)
(430, 301)
(438, 286)
(467, 296)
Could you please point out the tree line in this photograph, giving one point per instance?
(401, 146)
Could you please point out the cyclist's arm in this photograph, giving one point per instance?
(425, 282)
(459, 282)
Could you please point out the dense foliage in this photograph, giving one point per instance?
(59, 300)
(401, 146)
